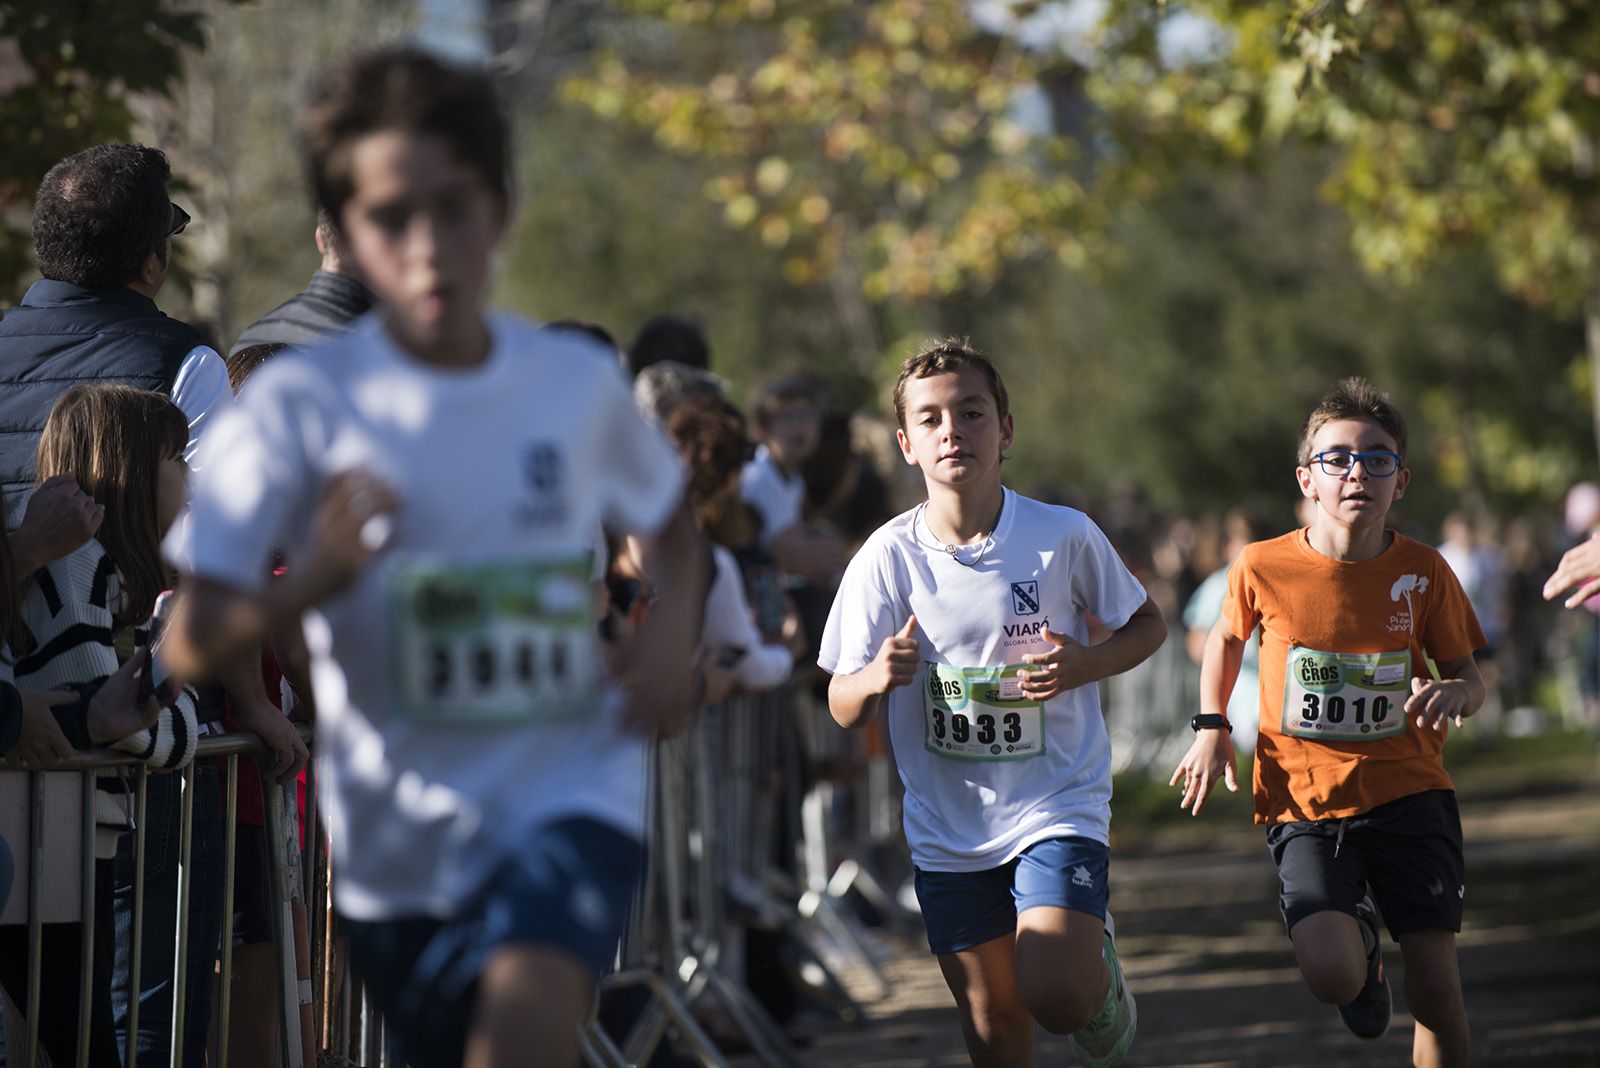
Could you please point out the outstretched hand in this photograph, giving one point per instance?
(1063, 668)
(1578, 572)
(1210, 758)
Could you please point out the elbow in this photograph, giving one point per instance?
(1158, 631)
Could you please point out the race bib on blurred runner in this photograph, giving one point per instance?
(980, 714)
(494, 643)
(1347, 697)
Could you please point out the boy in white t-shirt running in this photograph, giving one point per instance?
(967, 618)
(437, 478)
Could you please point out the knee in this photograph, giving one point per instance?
(1332, 981)
(1067, 1005)
(1432, 997)
(998, 1027)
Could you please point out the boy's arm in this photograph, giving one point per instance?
(1070, 665)
(1211, 755)
(662, 676)
(214, 622)
(854, 699)
(1456, 694)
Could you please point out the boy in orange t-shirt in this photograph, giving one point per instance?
(1349, 772)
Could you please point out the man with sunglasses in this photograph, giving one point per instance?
(103, 226)
(102, 230)
(1367, 643)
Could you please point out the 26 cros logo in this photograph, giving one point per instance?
(1025, 598)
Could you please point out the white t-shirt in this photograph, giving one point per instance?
(202, 393)
(460, 702)
(776, 497)
(987, 773)
(728, 625)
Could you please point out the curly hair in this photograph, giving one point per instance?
(100, 212)
(1354, 398)
(710, 436)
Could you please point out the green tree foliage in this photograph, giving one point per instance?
(1456, 124)
(68, 73)
(876, 139)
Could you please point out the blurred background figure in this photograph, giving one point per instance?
(1203, 610)
(333, 299)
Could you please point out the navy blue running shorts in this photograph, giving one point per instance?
(570, 887)
(962, 909)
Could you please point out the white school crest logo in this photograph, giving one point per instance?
(1405, 586)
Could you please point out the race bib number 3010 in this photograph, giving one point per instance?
(494, 643)
(1347, 697)
(980, 714)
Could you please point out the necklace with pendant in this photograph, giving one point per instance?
(952, 551)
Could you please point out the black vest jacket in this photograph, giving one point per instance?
(62, 335)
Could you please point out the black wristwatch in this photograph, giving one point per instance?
(1211, 722)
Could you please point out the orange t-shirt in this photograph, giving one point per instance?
(1313, 608)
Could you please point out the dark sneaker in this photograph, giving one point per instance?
(1368, 1015)
(1106, 1039)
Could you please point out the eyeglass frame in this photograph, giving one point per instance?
(1356, 458)
(181, 221)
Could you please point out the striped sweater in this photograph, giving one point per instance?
(68, 612)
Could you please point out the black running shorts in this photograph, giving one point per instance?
(1408, 852)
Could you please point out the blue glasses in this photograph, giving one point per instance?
(1379, 464)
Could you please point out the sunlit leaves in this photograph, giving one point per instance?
(881, 131)
(1459, 122)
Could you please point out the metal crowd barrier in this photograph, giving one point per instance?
(737, 837)
(728, 802)
(297, 874)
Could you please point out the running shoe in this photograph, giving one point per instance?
(1108, 1037)
(1368, 1015)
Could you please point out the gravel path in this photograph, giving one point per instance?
(1215, 977)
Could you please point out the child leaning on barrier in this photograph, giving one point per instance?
(710, 436)
(1367, 645)
(965, 621)
(124, 447)
(436, 478)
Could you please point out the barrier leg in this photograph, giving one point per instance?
(36, 914)
(282, 925)
(86, 976)
(180, 949)
(141, 788)
(230, 836)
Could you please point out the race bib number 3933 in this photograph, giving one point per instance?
(980, 714)
(494, 643)
(1347, 697)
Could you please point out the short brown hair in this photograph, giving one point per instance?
(944, 357)
(1354, 398)
(409, 90)
(112, 439)
(245, 362)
